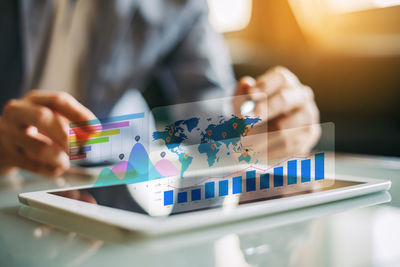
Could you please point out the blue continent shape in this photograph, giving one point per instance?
(185, 162)
(243, 158)
(191, 123)
(173, 136)
(224, 132)
(211, 153)
(228, 132)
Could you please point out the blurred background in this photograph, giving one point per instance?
(347, 51)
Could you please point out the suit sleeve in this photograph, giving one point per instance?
(199, 67)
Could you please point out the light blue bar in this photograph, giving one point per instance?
(305, 170)
(223, 188)
(168, 197)
(80, 149)
(278, 176)
(107, 120)
(237, 185)
(210, 189)
(292, 172)
(319, 166)
(250, 181)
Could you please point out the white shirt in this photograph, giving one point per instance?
(68, 46)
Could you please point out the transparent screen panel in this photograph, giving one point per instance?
(289, 170)
(195, 142)
(207, 154)
(120, 141)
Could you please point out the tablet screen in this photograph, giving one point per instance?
(119, 197)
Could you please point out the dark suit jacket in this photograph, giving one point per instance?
(168, 44)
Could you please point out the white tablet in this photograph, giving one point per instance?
(116, 204)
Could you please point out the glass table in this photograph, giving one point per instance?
(363, 231)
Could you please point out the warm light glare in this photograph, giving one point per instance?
(229, 15)
(340, 26)
(345, 6)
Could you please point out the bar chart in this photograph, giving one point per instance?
(291, 174)
(110, 138)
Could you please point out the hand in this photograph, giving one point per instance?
(34, 132)
(283, 103)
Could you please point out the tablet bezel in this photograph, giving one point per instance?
(186, 221)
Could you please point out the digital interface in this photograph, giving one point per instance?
(201, 154)
(252, 179)
(111, 140)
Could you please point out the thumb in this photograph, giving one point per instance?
(244, 85)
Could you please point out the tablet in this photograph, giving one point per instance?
(116, 205)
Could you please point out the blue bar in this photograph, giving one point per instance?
(196, 194)
(223, 188)
(237, 185)
(305, 170)
(80, 149)
(292, 172)
(278, 176)
(107, 120)
(264, 181)
(319, 166)
(182, 197)
(250, 181)
(210, 189)
(168, 197)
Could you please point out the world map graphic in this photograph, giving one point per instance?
(225, 132)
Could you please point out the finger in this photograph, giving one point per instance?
(297, 140)
(67, 106)
(24, 114)
(284, 139)
(244, 85)
(283, 102)
(41, 151)
(305, 115)
(287, 143)
(274, 79)
(301, 146)
(35, 149)
(297, 133)
(62, 103)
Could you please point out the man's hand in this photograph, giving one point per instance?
(34, 132)
(282, 103)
